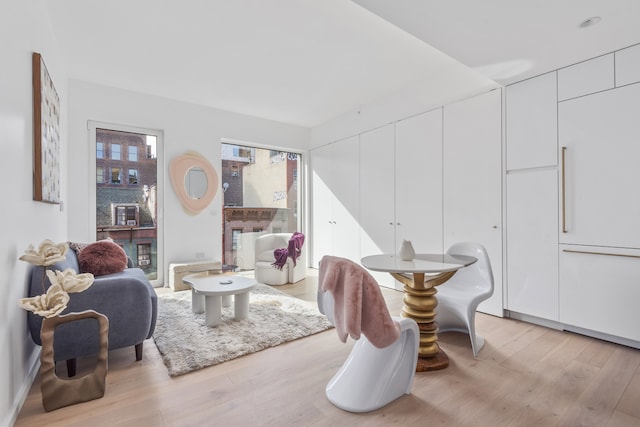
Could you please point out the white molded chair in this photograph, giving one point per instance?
(265, 272)
(459, 297)
(373, 377)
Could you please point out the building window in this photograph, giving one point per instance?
(133, 153)
(99, 150)
(133, 176)
(99, 174)
(295, 179)
(126, 215)
(144, 255)
(115, 151)
(235, 238)
(234, 170)
(116, 177)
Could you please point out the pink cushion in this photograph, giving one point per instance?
(102, 258)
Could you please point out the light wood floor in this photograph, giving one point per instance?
(526, 375)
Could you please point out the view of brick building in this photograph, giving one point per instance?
(260, 196)
(126, 186)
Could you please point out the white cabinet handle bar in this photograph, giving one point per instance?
(600, 253)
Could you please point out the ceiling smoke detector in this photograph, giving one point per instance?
(590, 22)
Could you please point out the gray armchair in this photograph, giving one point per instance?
(126, 298)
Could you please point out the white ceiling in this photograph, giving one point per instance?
(306, 61)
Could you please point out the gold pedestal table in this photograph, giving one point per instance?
(420, 277)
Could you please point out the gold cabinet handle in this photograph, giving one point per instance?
(564, 197)
(600, 253)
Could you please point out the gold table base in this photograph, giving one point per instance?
(420, 304)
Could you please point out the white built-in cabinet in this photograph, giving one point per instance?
(335, 207)
(401, 187)
(600, 138)
(377, 191)
(573, 227)
(600, 252)
(472, 186)
(433, 178)
(532, 197)
(418, 195)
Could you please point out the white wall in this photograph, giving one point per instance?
(24, 28)
(186, 127)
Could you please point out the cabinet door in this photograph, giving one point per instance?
(473, 181)
(601, 201)
(600, 292)
(322, 202)
(532, 123)
(335, 200)
(345, 207)
(586, 77)
(418, 187)
(377, 210)
(532, 243)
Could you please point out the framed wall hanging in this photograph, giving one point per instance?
(46, 135)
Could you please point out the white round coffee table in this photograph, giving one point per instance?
(209, 292)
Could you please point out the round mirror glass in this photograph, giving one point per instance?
(195, 183)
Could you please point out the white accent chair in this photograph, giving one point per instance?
(459, 297)
(372, 377)
(266, 272)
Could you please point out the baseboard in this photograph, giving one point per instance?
(34, 367)
(574, 329)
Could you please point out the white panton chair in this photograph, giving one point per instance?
(373, 377)
(459, 297)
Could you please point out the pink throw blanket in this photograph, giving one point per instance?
(293, 251)
(359, 304)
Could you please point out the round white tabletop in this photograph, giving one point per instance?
(422, 263)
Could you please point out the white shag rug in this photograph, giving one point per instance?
(187, 344)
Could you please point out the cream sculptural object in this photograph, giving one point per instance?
(382, 363)
(194, 181)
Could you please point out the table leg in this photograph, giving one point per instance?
(241, 308)
(197, 302)
(420, 304)
(226, 300)
(212, 310)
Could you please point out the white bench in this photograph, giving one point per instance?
(177, 271)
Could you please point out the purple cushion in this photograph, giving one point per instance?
(102, 258)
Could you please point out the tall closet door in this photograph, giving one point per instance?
(346, 209)
(335, 205)
(377, 210)
(418, 186)
(601, 133)
(322, 203)
(473, 181)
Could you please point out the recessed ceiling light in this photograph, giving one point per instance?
(590, 22)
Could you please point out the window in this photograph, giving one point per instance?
(99, 150)
(133, 153)
(133, 176)
(99, 174)
(144, 255)
(115, 151)
(235, 237)
(126, 215)
(115, 176)
(234, 170)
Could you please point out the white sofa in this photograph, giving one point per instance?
(265, 272)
